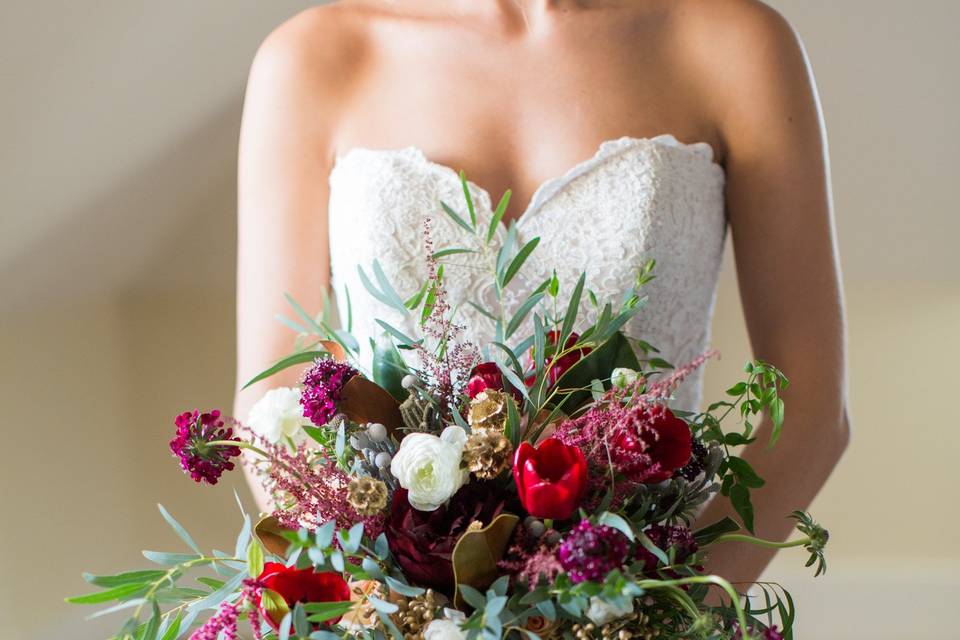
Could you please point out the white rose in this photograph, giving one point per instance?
(428, 467)
(443, 630)
(623, 377)
(602, 612)
(278, 414)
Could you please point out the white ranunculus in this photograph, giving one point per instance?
(623, 377)
(278, 415)
(602, 612)
(443, 630)
(428, 467)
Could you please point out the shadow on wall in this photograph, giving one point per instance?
(168, 224)
(107, 341)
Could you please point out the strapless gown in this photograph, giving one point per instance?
(634, 199)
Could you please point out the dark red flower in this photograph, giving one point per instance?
(557, 366)
(651, 444)
(770, 633)
(422, 541)
(590, 552)
(664, 537)
(485, 375)
(192, 444)
(301, 585)
(322, 384)
(551, 478)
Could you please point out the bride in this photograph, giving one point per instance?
(626, 129)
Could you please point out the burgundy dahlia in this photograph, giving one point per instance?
(322, 385)
(200, 458)
(590, 552)
(664, 537)
(422, 541)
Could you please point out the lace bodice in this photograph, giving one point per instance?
(636, 198)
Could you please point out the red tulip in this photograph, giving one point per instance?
(558, 366)
(551, 478)
(302, 585)
(485, 375)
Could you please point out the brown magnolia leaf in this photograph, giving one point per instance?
(268, 532)
(334, 349)
(365, 401)
(477, 552)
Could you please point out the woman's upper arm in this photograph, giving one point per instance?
(780, 209)
(285, 155)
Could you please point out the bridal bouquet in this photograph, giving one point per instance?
(538, 486)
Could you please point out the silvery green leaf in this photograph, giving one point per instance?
(518, 261)
(372, 568)
(548, 610)
(336, 560)
(382, 606)
(178, 528)
(300, 624)
(498, 215)
(381, 547)
(500, 586)
(324, 534)
(170, 629)
(522, 313)
(617, 522)
(128, 604)
(472, 597)
(495, 605)
(404, 589)
(128, 577)
(456, 217)
(214, 600)
(161, 557)
(243, 538)
(285, 625)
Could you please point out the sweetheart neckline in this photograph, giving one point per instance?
(553, 185)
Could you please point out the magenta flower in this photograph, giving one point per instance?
(322, 385)
(223, 625)
(591, 551)
(200, 458)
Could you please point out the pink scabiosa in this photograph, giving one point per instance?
(322, 385)
(199, 445)
(590, 552)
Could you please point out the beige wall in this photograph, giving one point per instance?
(117, 312)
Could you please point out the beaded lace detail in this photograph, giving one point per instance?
(634, 199)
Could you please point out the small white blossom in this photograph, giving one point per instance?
(602, 612)
(278, 415)
(428, 467)
(443, 630)
(623, 377)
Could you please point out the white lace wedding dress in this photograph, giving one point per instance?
(636, 198)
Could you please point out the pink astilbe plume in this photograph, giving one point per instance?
(225, 622)
(449, 371)
(309, 489)
(632, 434)
(662, 389)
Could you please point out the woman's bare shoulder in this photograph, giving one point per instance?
(737, 36)
(317, 50)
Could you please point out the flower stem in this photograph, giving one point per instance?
(715, 580)
(769, 544)
(241, 445)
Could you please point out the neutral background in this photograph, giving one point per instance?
(119, 123)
